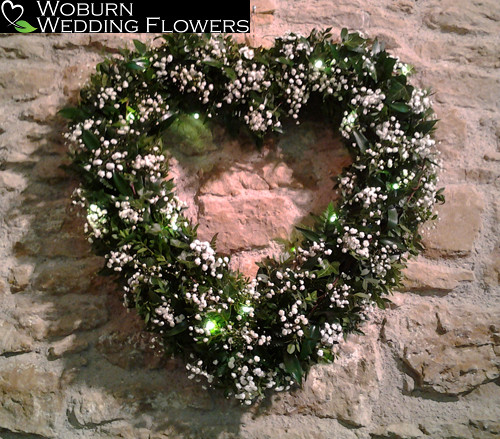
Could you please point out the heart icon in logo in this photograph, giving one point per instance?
(11, 11)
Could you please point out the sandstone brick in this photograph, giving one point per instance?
(234, 182)
(429, 277)
(401, 430)
(463, 17)
(452, 132)
(263, 6)
(61, 317)
(58, 276)
(66, 346)
(12, 181)
(13, 341)
(492, 269)
(30, 398)
(18, 81)
(20, 277)
(449, 349)
(459, 224)
(245, 222)
(478, 89)
(93, 408)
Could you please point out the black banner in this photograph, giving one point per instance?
(148, 16)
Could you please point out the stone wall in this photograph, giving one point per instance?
(75, 364)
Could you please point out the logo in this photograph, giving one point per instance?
(121, 16)
(12, 14)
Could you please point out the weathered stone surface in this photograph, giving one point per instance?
(447, 431)
(492, 157)
(60, 317)
(249, 221)
(448, 349)
(398, 431)
(30, 398)
(53, 246)
(50, 168)
(34, 48)
(129, 350)
(459, 223)
(67, 346)
(93, 408)
(20, 277)
(246, 261)
(452, 133)
(294, 427)
(12, 181)
(485, 428)
(19, 84)
(463, 17)
(345, 390)
(263, 6)
(479, 90)
(427, 277)
(57, 276)
(492, 269)
(484, 53)
(278, 175)
(13, 341)
(233, 182)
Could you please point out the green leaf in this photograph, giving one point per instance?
(155, 229)
(177, 329)
(212, 63)
(178, 244)
(284, 60)
(122, 186)
(140, 46)
(24, 27)
(397, 92)
(90, 140)
(72, 113)
(132, 65)
(361, 140)
(400, 107)
(392, 218)
(353, 41)
(329, 269)
(290, 349)
(426, 126)
(230, 73)
(308, 234)
(393, 241)
(293, 367)
(309, 343)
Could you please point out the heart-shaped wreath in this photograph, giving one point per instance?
(265, 333)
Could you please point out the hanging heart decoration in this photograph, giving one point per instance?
(244, 335)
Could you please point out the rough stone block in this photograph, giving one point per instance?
(449, 349)
(428, 277)
(459, 224)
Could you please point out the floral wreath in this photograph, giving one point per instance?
(251, 335)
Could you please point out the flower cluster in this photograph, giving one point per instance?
(264, 333)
